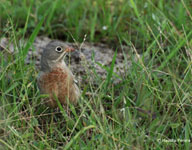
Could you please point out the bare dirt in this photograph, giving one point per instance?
(88, 59)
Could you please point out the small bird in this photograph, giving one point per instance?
(55, 78)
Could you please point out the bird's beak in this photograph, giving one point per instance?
(69, 49)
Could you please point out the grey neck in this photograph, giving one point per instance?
(47, 66)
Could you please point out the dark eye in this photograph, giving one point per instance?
(58, 49)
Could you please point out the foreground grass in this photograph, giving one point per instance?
(149, 109)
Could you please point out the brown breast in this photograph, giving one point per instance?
(58, 82)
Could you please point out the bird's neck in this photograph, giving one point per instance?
(61, 64)
(47, 66)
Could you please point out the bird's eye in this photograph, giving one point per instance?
(58, 49)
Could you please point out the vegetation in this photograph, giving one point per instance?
(149, 109)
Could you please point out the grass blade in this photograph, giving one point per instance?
(174, 52)
(77, 135)
(110, 72)
(33, 36)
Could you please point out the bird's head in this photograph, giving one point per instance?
(53, 54)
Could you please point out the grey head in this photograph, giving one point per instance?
(53, 54)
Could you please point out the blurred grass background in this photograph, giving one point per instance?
(148, 109)
(103, 21)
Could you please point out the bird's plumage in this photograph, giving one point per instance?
(55, 78)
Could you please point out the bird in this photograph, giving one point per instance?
(55, 78)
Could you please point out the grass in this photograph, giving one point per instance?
(149, 109)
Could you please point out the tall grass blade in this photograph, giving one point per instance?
(33, 36)
(174, 52)
(110, 72)
(68, 145)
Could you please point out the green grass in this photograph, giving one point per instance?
(149, 109)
